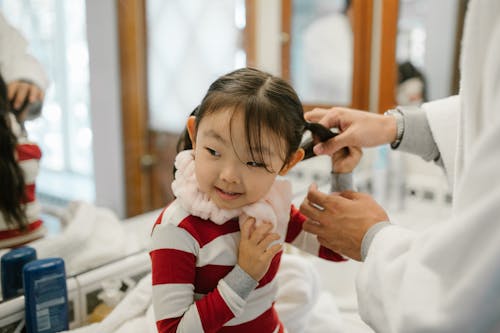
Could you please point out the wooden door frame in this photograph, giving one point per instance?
(133, 71)
(388, 66)
(362, 29)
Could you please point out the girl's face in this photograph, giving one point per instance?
(224, 166)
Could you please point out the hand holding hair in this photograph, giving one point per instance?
(357, 128)
(346, 159)
(21, 91)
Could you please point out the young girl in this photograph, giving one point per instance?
(19, 159)
(214, 267)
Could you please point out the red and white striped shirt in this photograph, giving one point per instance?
(28, 156)
(190, 259)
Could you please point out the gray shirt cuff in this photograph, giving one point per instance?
(240, 282)
(417, 136)
(341, 182)
(368, 237)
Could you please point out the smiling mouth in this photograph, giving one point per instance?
(227, 195)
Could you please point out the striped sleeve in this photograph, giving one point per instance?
(306, 241)
(174, 255)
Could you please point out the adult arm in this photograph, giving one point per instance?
(446, 278)
(15, 61)
(431, 132)
(23, 74)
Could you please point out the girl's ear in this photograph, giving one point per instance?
(296, 158)
(191, 128)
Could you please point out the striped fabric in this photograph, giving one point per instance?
(28, 155)
(191, 256)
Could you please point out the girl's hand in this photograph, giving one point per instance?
(346, 159)
(255, 255)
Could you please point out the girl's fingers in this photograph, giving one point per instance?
(246, 228)
(272, 251)
(260, 232)
(268, 239)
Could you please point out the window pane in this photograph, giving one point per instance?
(190, 43)
(321, 51)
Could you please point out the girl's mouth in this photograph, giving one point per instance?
(227, 195)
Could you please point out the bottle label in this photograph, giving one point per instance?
(50, 302)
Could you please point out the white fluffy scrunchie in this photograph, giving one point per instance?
(274, 207)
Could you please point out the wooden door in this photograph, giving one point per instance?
(149, 153)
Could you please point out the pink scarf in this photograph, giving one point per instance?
(274, 207)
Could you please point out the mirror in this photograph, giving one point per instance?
(427, 49)
(321, 51)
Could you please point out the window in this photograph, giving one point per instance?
(56, 31)
(190, 44)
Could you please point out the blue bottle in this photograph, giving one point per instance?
(45, 296)
(12, 270)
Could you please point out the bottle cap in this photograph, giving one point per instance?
(12, 270)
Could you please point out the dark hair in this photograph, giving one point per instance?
(268, 103)
(347, 5)
(406, 71)
(12, 185)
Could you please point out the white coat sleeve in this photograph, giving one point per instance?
(15, 61)
(443, 116)
(446, 278)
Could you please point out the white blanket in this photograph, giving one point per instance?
(91, 236)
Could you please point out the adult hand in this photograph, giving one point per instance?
(255, 255)
(345, 160)
(18, 91)
(340, 220)
(357, 128)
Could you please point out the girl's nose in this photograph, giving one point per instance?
(230, 174)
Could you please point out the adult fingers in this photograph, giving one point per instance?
(11, 89)
(312, 226)
(21, 93)
(344, 139)
(315, 114)
(329, 118)
(351, 195)
(35, 94)
(316, 197)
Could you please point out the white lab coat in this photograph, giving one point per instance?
(447, 278)
(15, 61)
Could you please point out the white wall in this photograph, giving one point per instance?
(441, 25)
(268, 36)
(105, 104)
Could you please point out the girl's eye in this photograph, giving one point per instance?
(213, 152)
(256, 164)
